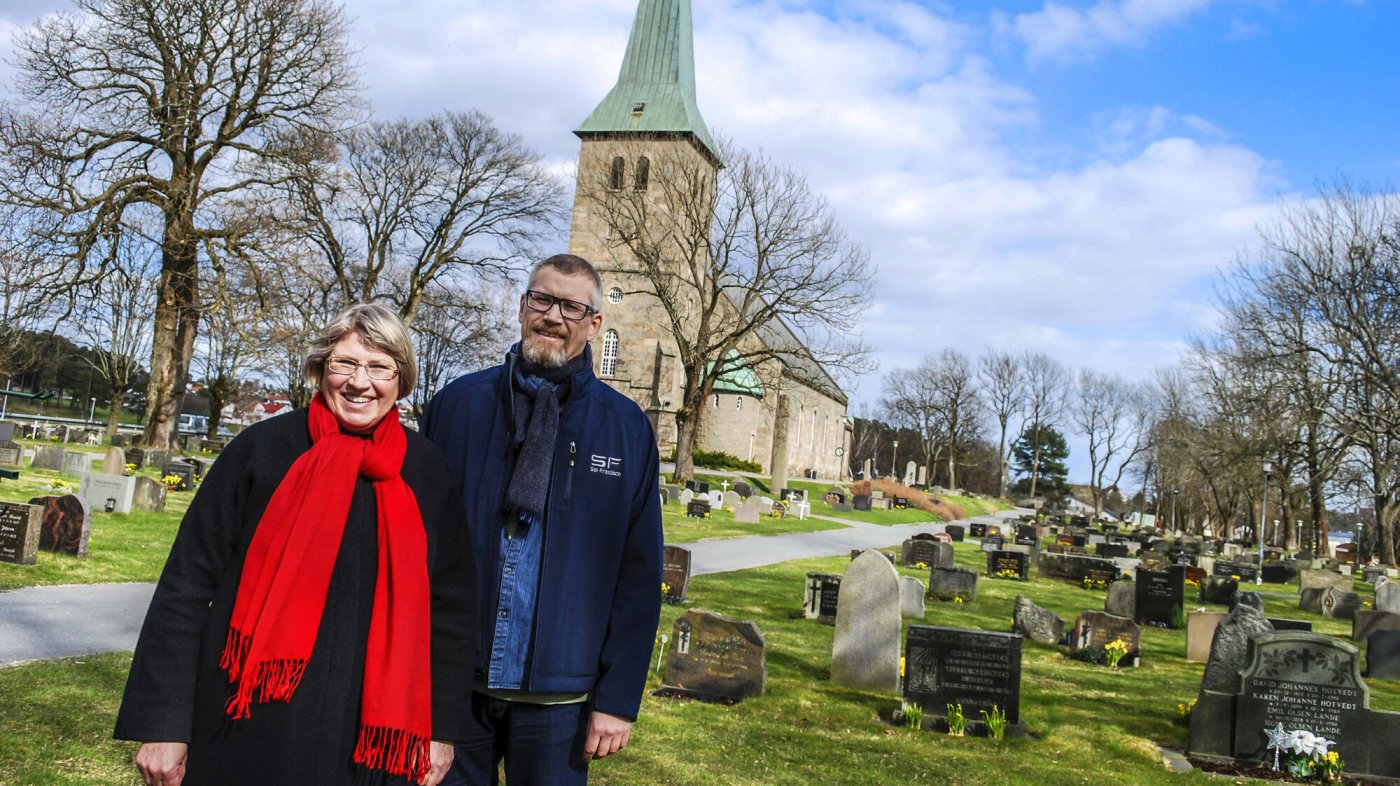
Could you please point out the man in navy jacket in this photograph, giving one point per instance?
(560, 474)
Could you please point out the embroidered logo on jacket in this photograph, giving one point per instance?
(606, 465)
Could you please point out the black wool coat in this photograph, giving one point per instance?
(177, 692)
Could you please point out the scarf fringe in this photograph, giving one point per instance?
(396, 751)
(273, 680)
(235, 653)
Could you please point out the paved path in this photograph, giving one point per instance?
(82, 619)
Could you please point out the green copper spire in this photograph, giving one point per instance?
(655, 90)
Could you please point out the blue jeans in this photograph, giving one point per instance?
(542, 744)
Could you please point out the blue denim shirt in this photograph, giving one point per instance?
(521, 548)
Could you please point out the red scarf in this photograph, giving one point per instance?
(288, 570)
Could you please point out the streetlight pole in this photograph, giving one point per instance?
(1174, 527)
(1263, 506)
(92, 409)
(894, 457)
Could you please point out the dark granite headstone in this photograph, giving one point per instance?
(182, 470)
(1383, 653)
(1217, 589)
(1160, 600)
(823, 595)
(952, 583)
(743, 489)
(1009, 565)
(974, 668)
(1281, 623)
(1280, 572)
(698, 508)
(926, 550)
(860, 502)
(1340, 605)
(992, 543)
(1076, 568)
(955, 531)
(20, 526)
(67, 524)
(1241, 571)
(675, 572)
(698, 486)
(119, 440)
(1302, 681)
(1365, 621)
(715, 657)
(1110, 550)
(977, 529)
(136, 456)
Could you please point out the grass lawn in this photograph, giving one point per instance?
(1088, 724)
(680, 528)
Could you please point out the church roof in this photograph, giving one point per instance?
(655, 90)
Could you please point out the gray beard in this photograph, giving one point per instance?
(535, 351)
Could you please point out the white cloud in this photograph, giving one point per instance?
(1061, 33)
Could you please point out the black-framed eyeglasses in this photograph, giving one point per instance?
(346, 368)
(571, 310)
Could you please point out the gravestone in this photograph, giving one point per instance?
(1009, 565)
(687, 496)
(1200, 631)
(697, 486)
(1076, 568)
(119, 440)
(1241, 571)
(77, 462)
(992, 543)
(1388, 597)
(823, 594)
(1159, 598)
(716, 499)
(977, 669)
(10, 452)
(977, 529)
(1313, 583)
(911, 598)
(20, 526)
(1282, 623)
(715, 658)
(157, 457)
(108, 493)
(1383, 654)
(136, 456)
(1216, 589)
(911, 473)
(1121, 599)
(749, 512)
(1247, 598)
(148, 495)
(1110, 550)
(675, 572)
(1279, 572)
(955, 531)
(1036, 623)
(928, 550)
(865, 648)
(952, 584)
(743, 489)
(732, 500)
(67, 524)
(698, 509)
(47, 457)
(1340, 605)
(1229, 648)
(114, 463)
(860, 502)
(1094, 630)
(1366, 621)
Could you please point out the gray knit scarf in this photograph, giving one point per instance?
(536, 392)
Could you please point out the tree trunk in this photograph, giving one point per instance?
(114, 414)
(1317, 501)
(177, 321)
(1385, 530)
(780, 446)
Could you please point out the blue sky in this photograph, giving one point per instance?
(1066, 177)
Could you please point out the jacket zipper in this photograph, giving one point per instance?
(569, 477)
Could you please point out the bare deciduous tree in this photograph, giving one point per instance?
(1047, 384)
(1113, 417)
(156, 107)
(1003, 395)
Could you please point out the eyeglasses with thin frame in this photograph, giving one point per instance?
(346, 368)
(571, 310)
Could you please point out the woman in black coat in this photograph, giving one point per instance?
(284, 644)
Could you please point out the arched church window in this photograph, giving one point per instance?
(609, 365)
(615, 177)
(642, 174)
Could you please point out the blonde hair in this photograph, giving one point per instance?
(379, 327)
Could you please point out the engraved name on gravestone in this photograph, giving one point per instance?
(715, 657)
(977, 669)
(10, 451)
(675, 572)
(108, 493)
(823, 592)
(698, 508)
(19, 532)
(1303, 681)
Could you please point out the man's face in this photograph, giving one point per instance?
(547, 338)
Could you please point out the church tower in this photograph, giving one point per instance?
(647, 125)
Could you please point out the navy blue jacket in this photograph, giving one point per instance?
(600, 576)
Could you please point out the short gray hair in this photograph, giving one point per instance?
(379, 327)
(571, 265)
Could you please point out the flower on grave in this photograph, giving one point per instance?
(61, 486)
(129, 469)
(901, 667)
(1234, 578)
(957, 599)
(665, 589)
(1193, 584)
(1114, 652)
(921, 565)
(172, 482)
(1008, 573)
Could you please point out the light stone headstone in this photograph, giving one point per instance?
(749, 512)
(910, 472)
(732, 499)
(48, 457)
(1200, 631)
(1388, 597)
(716, 498)
(911, 598)
(1036, 623)
(865, 648)
(923, 475)
(107, 493)
(1229, 648)
(148, 495)
(114, 463)
(686, 496)
(77, 462)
